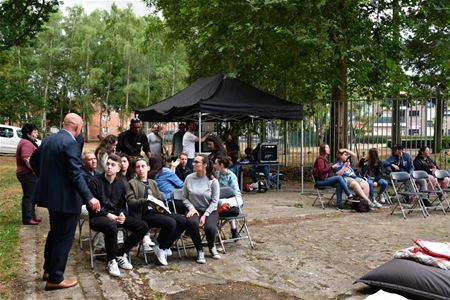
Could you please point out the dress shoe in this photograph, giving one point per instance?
(66, 283)
(31, 222)
(39, 220)
(45, 276)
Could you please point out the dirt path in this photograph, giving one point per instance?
(304, 253)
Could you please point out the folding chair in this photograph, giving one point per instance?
(432, 194)
(241, 221)
(442, 198)
(400, 182)
(92, 235)
(177, 195)
(84, 216)
(320, 194)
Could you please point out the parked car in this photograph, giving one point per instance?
(9, 138)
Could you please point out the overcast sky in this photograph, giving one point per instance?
(139, 6)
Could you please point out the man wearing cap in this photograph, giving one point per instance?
(132, 141)
(402, 162)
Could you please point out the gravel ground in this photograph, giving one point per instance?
(301, 252)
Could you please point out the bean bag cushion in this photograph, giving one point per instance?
(410, 279)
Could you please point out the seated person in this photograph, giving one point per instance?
(343, 167)
(324, 177)
(140, 189)
(402, 162)
(372, 169)
(228, 179)
(215, 146)
(166, 179)
(110, 191)
(88, 170)
(424, 162)
(232, 150)
(200, 196)
(180, 166)
(251, 157)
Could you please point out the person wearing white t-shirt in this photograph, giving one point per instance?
(189, 140)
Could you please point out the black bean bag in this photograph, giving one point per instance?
(410, 279)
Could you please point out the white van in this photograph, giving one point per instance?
(9, 138)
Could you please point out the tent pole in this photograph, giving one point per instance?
(199, 132)
(302, 158)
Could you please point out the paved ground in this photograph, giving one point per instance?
(302, 252)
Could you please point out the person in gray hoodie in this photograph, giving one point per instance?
(200, 196)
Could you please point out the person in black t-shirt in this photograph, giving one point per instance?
(132, 141)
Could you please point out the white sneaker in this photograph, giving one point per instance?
(168, 252)
(214, 253)
(123, 262)
(377, 205)
(148, 241)
(371, 204)
(160, 255)
(113, 268)
(201, 257)
(146, 247)
(382, 199)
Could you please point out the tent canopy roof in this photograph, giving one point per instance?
(220, 99)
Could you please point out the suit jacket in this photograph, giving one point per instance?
(61, 186)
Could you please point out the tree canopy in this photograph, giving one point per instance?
(114, 59)
(21, 20)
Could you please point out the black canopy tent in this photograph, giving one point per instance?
(221, 99)
(218, 98)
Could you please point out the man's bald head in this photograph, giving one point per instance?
(73, 123)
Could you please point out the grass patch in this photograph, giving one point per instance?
(10, 218)
(298, 205)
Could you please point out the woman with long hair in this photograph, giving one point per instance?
(106, 147)
(373, 171)
(343, 167)
(126, 168)
(166, 179)
(424, 162)
(228, 179)
(323, 175)
(200, 196)
(216, 147)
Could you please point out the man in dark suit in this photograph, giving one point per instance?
(61, 188)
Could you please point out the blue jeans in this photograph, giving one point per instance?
(339, 183)
(255, 170)
(383, 184)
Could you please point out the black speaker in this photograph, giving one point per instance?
(268, 152)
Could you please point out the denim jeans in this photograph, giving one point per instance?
(339, 183)
(383, 184)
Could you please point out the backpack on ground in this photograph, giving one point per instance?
(361, 206)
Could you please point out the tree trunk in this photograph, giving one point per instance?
(339, 109)
(47, 82)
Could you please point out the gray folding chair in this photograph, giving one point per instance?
(442, 198)
(241, 221)
(320, 193)
(409, 199)
(433, 195)
(92, 235)
(177, 195)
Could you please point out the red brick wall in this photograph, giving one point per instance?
(101, 124)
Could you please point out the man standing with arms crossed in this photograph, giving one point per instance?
(62, 189)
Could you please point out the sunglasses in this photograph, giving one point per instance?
(197, 162)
